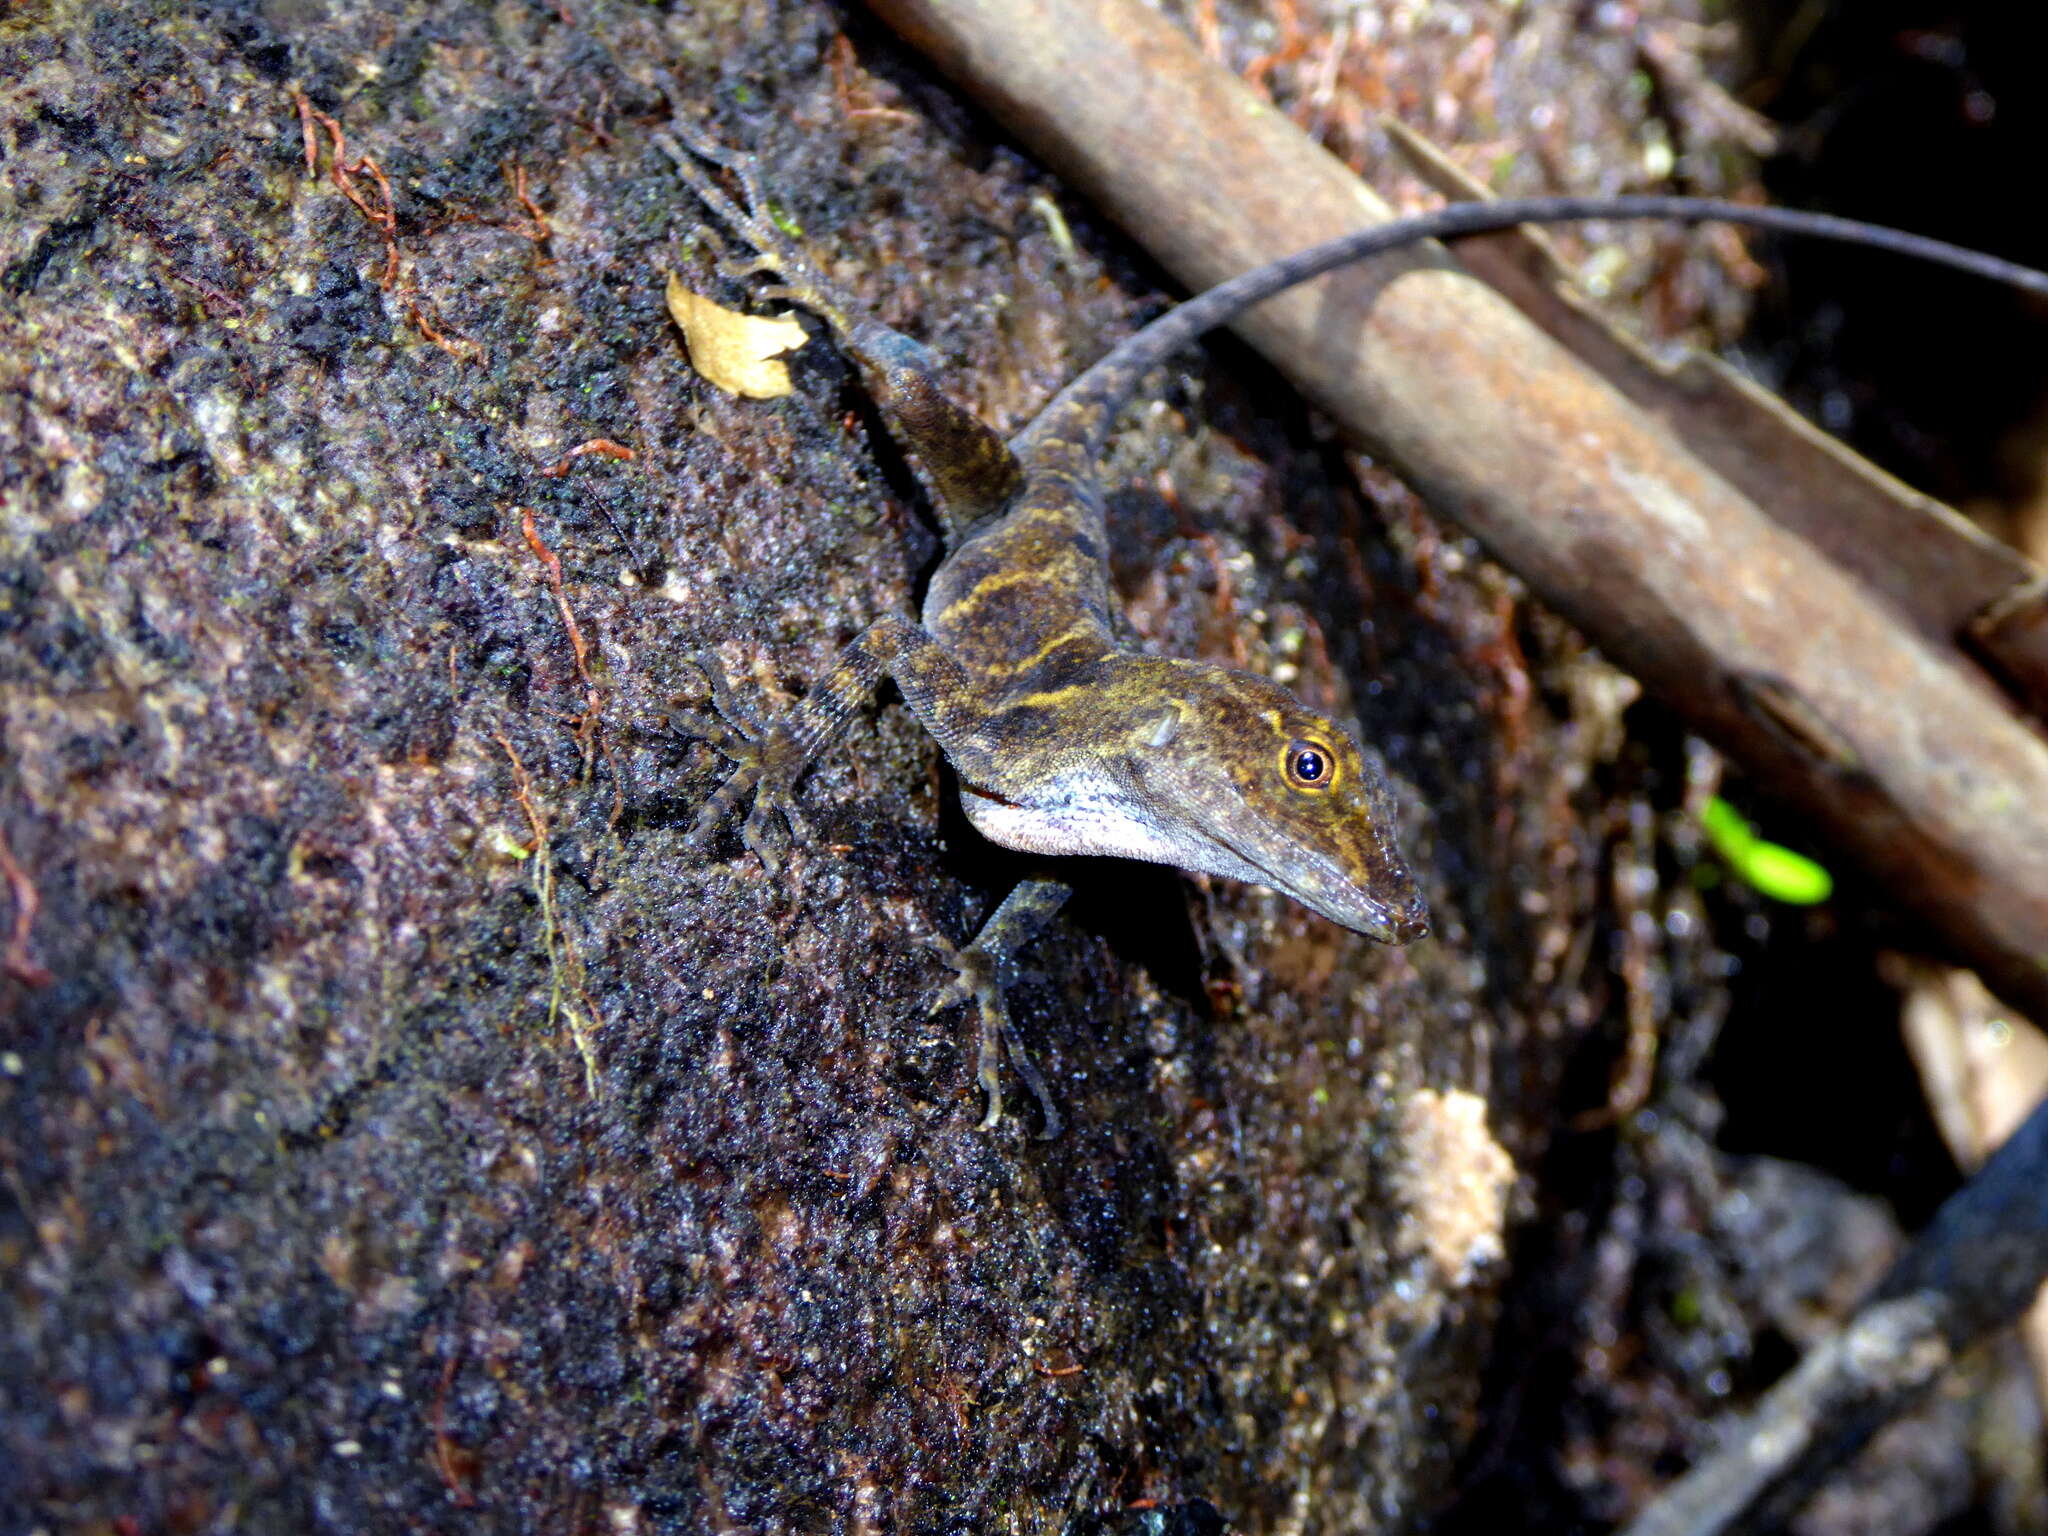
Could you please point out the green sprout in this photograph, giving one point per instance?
(1773, 870)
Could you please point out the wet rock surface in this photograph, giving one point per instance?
(410, 1130)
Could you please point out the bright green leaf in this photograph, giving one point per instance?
(1773, 870)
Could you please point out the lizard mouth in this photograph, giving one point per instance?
(987, 794)
(1400, 918)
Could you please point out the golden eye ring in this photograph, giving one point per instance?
(1309, 765)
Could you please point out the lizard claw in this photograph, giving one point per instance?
(694, 725)
(973, 969)
(734, 268)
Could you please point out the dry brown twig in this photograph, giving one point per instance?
(16, 960)
(551, 566)
(382, 216)
(565, 961)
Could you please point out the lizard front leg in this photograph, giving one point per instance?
(985, 970)
(771, 757)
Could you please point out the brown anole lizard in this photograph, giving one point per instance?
(1064, 741)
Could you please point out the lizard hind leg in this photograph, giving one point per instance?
(966, 465)
(748, 218)
(984, 970)
(770, 756)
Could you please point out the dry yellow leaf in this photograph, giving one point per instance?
(741, 354)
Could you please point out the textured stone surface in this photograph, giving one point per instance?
(373, 1163)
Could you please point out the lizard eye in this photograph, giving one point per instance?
(1309, 764)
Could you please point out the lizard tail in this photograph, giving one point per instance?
(1080, 416)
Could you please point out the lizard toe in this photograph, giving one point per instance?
(766, 831)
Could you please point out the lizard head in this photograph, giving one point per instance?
(1238, 777)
